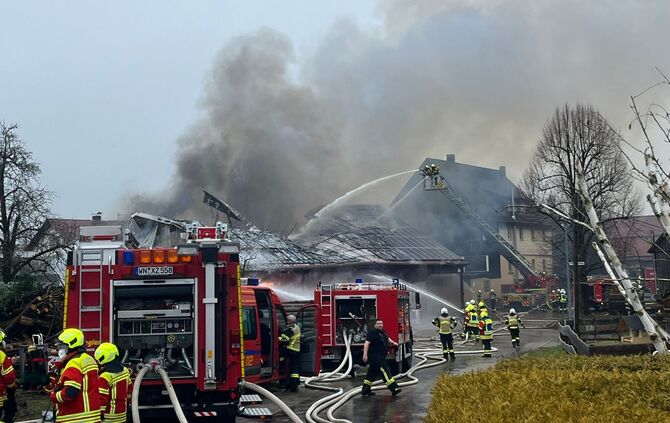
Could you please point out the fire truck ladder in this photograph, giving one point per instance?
(326, 313)
(511, 254)
(90, 298)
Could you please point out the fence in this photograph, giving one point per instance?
(571, 342)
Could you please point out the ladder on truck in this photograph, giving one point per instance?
(327, 313)
(511, 254)
(94, 250)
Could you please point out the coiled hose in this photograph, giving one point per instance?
(136, 393)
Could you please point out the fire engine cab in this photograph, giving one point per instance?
(354, 307)
(181, 308)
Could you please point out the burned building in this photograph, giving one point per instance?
(491, 196)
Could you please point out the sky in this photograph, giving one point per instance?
(279, 107)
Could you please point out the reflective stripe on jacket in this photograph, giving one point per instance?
(513, 322)
(81, 373)
(114, 389)
(444, 324)
(7, 375)
(486, 328)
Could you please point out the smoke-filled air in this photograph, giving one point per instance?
(283, 134)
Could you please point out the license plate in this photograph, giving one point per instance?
(328, 356)
(154, 271)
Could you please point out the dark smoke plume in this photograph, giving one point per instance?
(280, 136)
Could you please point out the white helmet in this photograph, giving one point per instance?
(512, 311)
(444, 310)
(472, 302)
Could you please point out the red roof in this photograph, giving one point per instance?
(632, 237)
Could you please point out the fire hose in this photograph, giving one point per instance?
(312, 414)
(168, 386)
(269, 395)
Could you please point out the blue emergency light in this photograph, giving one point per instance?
(359, 280)
(252, 282)
(128, 258)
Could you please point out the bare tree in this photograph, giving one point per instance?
(581, 136)
(24, 206)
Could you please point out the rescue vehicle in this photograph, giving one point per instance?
(185, 309)
(354, 308)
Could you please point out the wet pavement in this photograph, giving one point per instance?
(412, 404)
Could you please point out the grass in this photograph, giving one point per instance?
(548, 387)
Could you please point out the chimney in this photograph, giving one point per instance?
(96, 217)
(503, 172)
(451, 158)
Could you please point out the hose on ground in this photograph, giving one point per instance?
(172, 394)
(135, 403)
(269, 395)
(312, 414)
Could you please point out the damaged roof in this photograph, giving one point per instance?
(366, 233)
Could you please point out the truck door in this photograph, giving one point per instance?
(309, 319)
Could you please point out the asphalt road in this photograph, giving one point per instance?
(412, 403)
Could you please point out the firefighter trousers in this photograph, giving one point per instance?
(8, 409)
(487, 347)
(294, 377)
(447, 341)
(378, 367)
(514, 333)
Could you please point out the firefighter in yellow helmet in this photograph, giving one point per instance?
(7, 384)
(114, 383)
(290, 342)
(472, 324)
(76, 395)
(486, 334)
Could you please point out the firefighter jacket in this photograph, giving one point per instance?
(114, 390)
(291, 336)
(513, 321)
(444, 324)
(564, 298)
(81, 373)
(486, 328)
(473, 320)
(7, 376)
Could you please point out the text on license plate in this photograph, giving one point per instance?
(154, 271)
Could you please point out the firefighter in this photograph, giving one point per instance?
(8, 384)
(483, 311)
(114, 382)
(493, 298)
(473, 321)
(446, 324)
(513, 321)
(374, 352)
(479, 296)
(76, 395)
(486, 334)
(290, 340)
(563, 300)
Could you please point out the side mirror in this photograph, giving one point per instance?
(417, 300)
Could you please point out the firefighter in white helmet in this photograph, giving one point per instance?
(445, 325)
(513, 321)
(290, 342)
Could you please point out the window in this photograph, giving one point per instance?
(532, 234)
(487, 285)
(532, 262)
(520, 234)
(510, 269)
(510, 232)
(544, 265)
(249, 323)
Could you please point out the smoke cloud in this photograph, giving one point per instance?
(281, 135)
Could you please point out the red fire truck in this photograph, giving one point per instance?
(183, 308)
(354, 307)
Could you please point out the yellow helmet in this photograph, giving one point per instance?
(73, 338)
(483, 313)
(2, 336)
(106, 352)
(482, 304)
